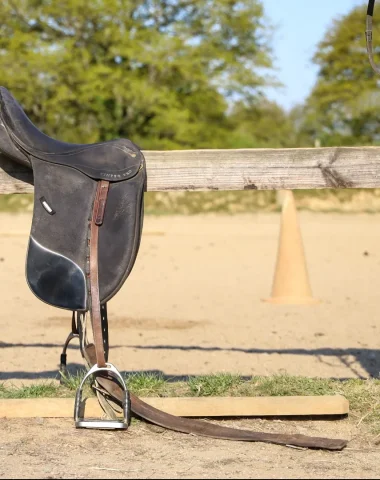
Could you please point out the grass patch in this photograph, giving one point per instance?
(72, 381)
(146, 384)
(364, 398)
(284, 385)
(45, 390)
(217, 385)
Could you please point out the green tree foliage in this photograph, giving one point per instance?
(161, 72)
(262, 124)
(344, 106)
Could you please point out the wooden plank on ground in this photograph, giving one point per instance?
(187, 406)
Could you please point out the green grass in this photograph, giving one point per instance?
(363, 395)
(283, 385)
(71, 382)
(146, 384)
(44, 390)
(215, 385)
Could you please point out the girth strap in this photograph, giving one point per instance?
(96, 316)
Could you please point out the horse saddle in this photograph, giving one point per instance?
(85, 236)
(87, 222)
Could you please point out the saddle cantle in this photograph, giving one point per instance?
(115, 160)
(85, 235)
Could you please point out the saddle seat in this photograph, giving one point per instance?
(21, 140)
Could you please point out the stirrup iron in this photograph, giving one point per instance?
(122, 424)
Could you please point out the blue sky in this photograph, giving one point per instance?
(301, 24)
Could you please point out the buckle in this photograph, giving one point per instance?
(122, 424)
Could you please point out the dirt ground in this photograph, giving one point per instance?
(54, 449)
(192, 305)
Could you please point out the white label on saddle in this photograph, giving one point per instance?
(46, 206)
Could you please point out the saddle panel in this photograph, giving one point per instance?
(115, 160)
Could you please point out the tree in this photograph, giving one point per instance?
(262, 124)
(161, 72)
(344, 106)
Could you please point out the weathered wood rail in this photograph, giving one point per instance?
(247, 169)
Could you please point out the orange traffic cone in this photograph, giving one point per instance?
(291, 284)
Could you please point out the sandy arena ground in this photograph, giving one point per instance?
(192, 305)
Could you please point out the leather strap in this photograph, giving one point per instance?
(112, 392)
(96, 316)
(369, 35)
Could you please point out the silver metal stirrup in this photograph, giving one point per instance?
(81, 422)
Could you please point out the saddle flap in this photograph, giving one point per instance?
(57, 266)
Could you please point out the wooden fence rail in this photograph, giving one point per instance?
(248, 169)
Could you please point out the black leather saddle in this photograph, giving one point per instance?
(85, 234)
(65, 180)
